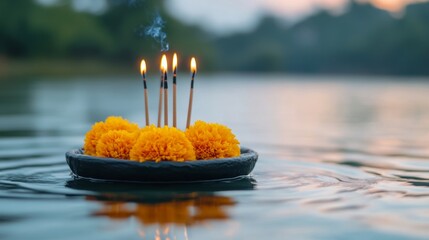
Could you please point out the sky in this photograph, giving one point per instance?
(226, 16)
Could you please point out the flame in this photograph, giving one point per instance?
(193, 65)
(174, 62)
(164, 63)
(143, 67)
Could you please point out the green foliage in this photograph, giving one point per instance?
(362, 40)
(30, 30)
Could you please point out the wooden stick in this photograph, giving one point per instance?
(160, 101)
(165, 100)
(191, 96)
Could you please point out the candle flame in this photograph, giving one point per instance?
(174, 62)
(193, 65)
(164, 63)
(143, 67)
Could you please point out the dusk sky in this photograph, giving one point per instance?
(224, 16)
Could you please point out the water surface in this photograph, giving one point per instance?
(340, 158)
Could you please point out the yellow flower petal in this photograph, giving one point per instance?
(212, 140)
(116, 144)
(99, 128)
(158, 144)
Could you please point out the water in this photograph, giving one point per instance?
(340, 158)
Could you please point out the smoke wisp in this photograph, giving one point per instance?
(156, 32)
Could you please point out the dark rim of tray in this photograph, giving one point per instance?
(165, 171)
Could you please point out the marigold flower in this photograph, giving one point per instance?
(116, 144)
(212, 140)
(167, 143)
(99, 128)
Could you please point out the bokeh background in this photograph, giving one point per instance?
(388, 37)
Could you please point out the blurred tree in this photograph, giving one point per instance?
(15, 27)
(28, 29)
(362, 40)
(127, 24)
(259, 50)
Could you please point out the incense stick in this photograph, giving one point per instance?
(143, 72)
(160, 101)
(165, 99)
(191, 95)
(174, 90)
(146, 104)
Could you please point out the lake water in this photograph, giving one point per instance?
(340, 158)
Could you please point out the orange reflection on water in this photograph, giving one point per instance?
(178, 212)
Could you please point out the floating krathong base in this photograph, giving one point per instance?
(112, 169)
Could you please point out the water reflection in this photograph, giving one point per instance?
(138, 192)
(162, 211)
(195, 209)
(168, 219)
(346, 155)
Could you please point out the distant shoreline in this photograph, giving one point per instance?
(91, 67)
(60, 67)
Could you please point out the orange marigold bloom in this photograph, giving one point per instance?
(116, 144)
(99, 128)
(212, 140)
(167, 143)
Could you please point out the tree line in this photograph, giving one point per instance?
(364, 39)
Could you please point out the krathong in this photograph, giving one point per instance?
(119, 138)
(202, 151)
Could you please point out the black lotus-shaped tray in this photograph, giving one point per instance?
(112, 169)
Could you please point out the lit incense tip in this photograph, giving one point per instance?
(143, 67)
(164, 63)
(193, 66)
(174, 62)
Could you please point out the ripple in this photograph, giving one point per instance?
(338, 160)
